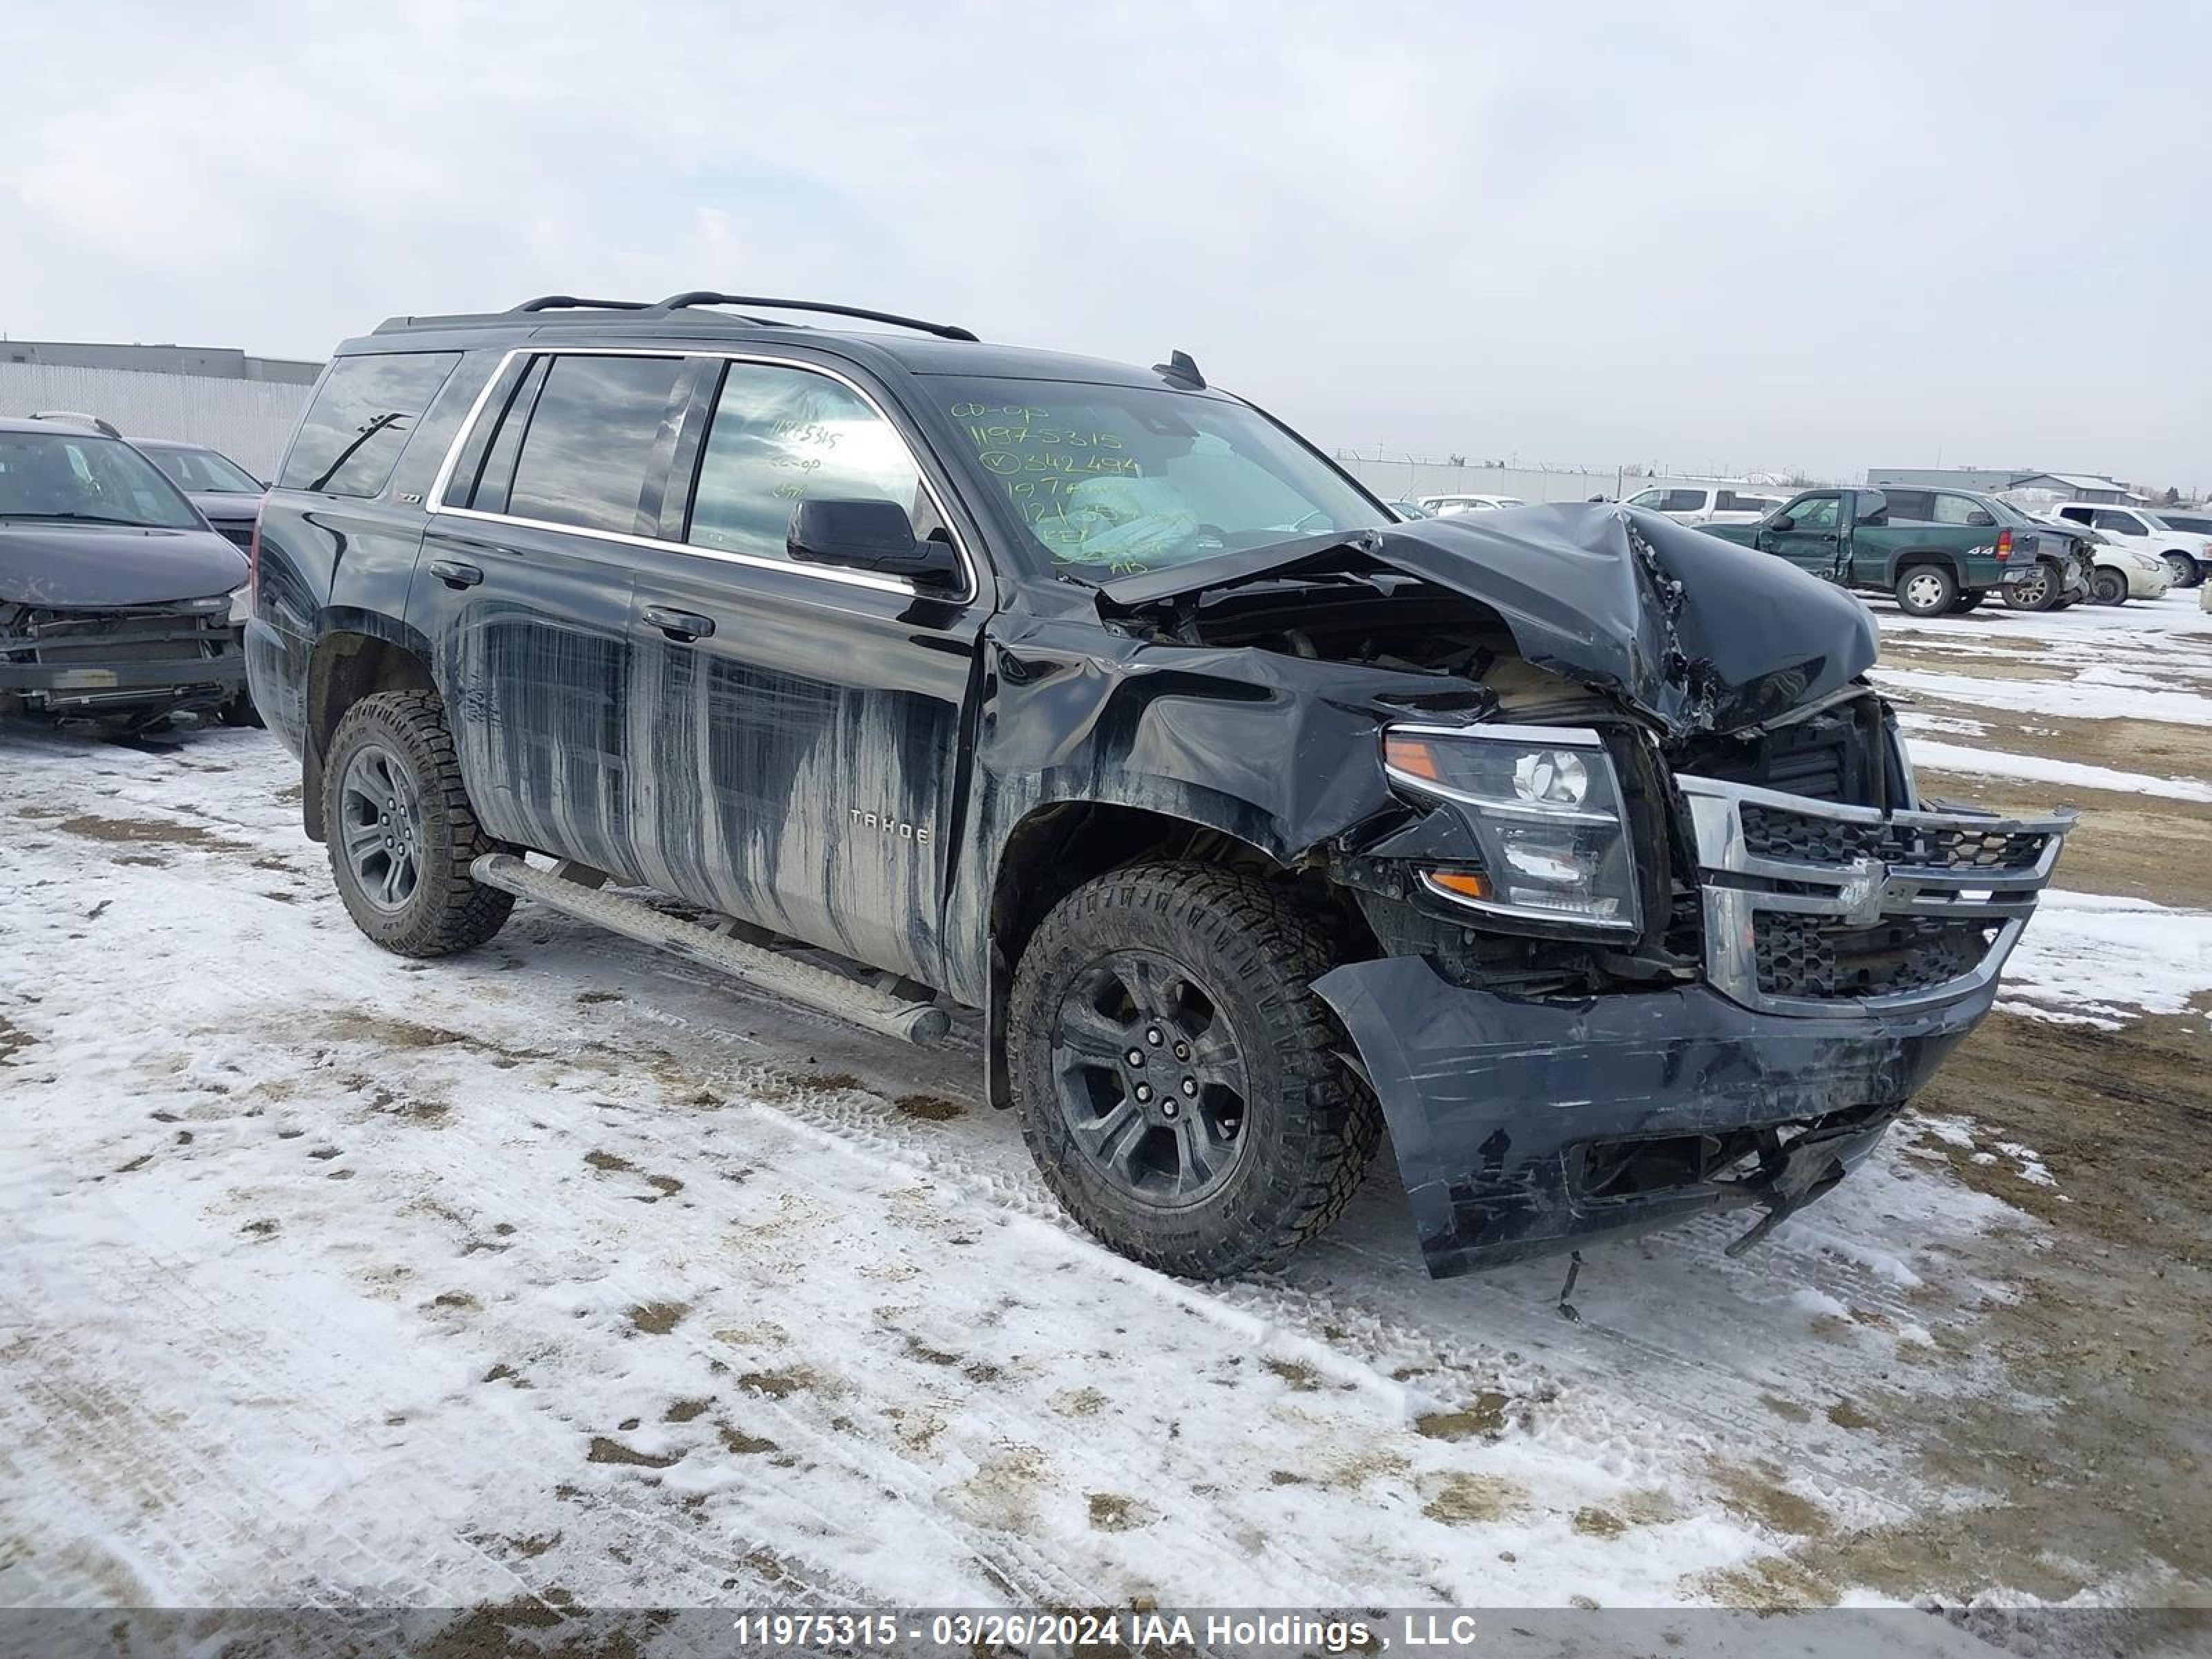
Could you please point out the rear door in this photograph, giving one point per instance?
(805, 764)
(524, 592)
(1814, 537)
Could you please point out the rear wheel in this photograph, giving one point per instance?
(1175, 1075)
(1967, 602)
(2039, 591)
(401, 832)
(2108, 587)
(1927, 590)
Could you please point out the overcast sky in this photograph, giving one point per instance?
(1711, 236)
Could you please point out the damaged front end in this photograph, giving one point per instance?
(1663, 925)
(1843, 952)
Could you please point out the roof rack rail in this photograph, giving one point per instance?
(569, 302)
(708, 297)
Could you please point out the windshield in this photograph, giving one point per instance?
(1113, 481)
(77, 476)
(205, 471)
(2153, 519)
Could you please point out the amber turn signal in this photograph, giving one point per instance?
(1411, 757)
(1460, 883)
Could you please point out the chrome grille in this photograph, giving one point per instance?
(1814, 908)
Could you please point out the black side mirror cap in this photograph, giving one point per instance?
(1981, 520)
(1781, 521)
(867, 535)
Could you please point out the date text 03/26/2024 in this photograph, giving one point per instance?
(983, 1630)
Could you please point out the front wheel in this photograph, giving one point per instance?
(1927, 590)
(401, 832)
(2185, 574)
(2108, 587)
(1175, 1075)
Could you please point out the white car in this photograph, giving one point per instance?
(2124, 572)
(1445, 507)
(2187, 553)
(1705, 503)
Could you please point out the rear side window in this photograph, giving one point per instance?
(362, 417)
(784, 436)
(1954, 509)
(1912, 506)
(597, 436)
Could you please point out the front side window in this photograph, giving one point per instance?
(1911, 506)
(1112, 480)
(205, 472)
(2120, 524)
(1683, 500)
(594, 439)
(362, 415)
(782, 435)
(69, 476)
(1818, 513)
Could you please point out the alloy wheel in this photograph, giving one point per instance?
(381, 827)
(1150, 1078)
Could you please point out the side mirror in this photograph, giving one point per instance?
(874, 535)
(1781, 521)
(1982, 520)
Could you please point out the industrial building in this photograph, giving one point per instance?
(242, 405)
(1990, 481)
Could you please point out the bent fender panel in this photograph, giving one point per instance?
(1488, 1098)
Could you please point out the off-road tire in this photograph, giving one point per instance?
(448, 912)
(1926, 590)
(1310, 1127)
(2108, 587)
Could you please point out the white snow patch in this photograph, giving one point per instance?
(2075, 699)
(2090, 958)
(2042, 768)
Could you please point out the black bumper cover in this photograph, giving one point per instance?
(1499, 1108)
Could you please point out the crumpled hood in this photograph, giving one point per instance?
(1698, 633)
(78, 567)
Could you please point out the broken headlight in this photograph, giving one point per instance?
(1545, 808)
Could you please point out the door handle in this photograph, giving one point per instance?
(682, 626)
(455, 575)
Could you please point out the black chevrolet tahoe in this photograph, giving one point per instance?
(1569, 842)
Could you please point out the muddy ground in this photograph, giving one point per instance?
(563, 1269)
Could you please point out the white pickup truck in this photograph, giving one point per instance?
(2187, 553)
(1696, 504)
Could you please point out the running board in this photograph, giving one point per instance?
(785, 976)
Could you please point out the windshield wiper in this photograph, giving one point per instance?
(1232, 565)
(80, 518)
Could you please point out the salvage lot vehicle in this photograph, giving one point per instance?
(2123, 571)
(2187, 553)
(115, 593)
(1095, 699)
(1446, 506)
(1945, 553)
(1702, 504)
(227, 494)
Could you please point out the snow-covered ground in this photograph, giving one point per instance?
(564, 1269)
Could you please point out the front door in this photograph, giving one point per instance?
(807, 757)
(1813, 539)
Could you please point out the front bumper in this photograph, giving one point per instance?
(1847, 952)
(87, 662)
